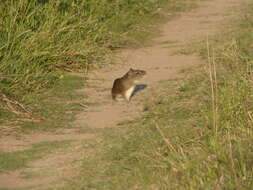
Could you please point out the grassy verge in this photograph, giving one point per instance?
(198, 138)
(56, 107)
(10, 161)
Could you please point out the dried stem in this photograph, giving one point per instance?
(168, 143)
(14, 106)
(213, 81)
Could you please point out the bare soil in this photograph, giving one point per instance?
(160, 62)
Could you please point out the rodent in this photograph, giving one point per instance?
(125, 85)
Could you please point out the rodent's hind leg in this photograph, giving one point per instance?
(119, 98)
(128, 94)
(127, 99)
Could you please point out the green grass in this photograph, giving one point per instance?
(57, 106)
(10, 161)
(197, 136)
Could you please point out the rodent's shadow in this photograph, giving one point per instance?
(139, 87)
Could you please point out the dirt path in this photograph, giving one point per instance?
(160, 62)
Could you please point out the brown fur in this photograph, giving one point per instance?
(121, 85)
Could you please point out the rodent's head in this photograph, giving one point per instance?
(135, 74)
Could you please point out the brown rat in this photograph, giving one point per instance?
(125, 85)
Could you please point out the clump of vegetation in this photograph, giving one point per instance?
(200, 138)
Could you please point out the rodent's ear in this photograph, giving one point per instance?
(130, 69)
